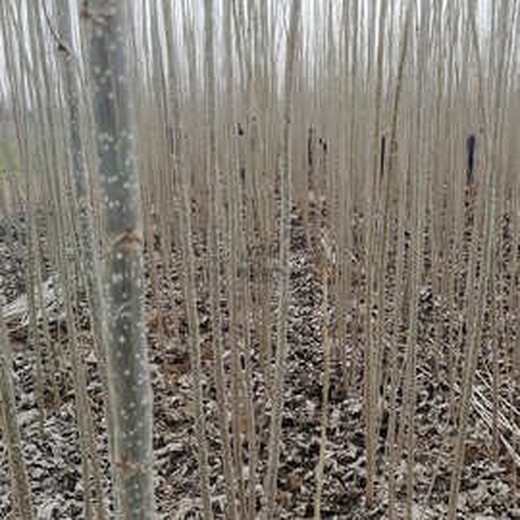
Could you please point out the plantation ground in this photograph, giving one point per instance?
(55, 467)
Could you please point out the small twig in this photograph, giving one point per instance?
(62, 45)
(485, 415)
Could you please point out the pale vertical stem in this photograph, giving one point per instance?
(48, 142)
(281, 328)
(164, 160)
(123, 274)
(352, 164)
(152, 129)
(214, 230)
(478, 303)
(194, 338)
(391, 171)
(91, 472)
(394, 340)
(320, 466)
(374, 252)
(182, 184)
(89, 461)
(437, 192)
(513, 165)
(419, 167)
(240, 297)
(514, 361)
(252, 441)
(87, 238)
(8, 419)
(11, 432)
(18, 74)
(455, 208)
(345, 225)
(172, 117)
(501, 50)
(193, 102)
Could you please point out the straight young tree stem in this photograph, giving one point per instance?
(122, 270)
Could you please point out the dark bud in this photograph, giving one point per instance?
(470, 150)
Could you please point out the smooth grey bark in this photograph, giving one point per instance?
(130, 394)
(87, 238)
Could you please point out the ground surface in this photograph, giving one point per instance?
(54, 463)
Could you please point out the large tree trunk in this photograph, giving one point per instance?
(122, 271)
